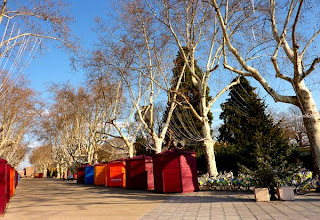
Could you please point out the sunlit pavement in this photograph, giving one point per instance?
(235, 205)
(56, 199)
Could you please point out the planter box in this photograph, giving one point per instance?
(286, 193)
(262, 194)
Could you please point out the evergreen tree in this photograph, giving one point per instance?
(247, 130)
(184, 127)
(273, 160)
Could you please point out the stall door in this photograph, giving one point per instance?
(171, 174)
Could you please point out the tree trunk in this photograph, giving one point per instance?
(45, 171)
(62, 173)
(95, 158)
(58, 171)
(312, 125)
(209, 144)
(311, 121)
(158, 145)
(90, 155)
(130, 149)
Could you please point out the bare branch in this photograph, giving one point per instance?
(276, 36)
(312, 67)
(309, 42)
(275, 64)
(223, 91)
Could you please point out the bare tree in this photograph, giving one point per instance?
(135, 55)
(192, 24)
(18, 116)
(117, 121)
(292, 122)
(42, 159)
(75, 124)
(294, 55)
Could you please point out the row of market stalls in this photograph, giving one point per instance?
(9, 179)
(170, 171)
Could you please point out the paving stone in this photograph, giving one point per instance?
(189, 218)
(264, 217)
(233, 217)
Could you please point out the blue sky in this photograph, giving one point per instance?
(54, 64)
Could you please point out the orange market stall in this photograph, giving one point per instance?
(116, 173)
(12, 177)
(100, 174)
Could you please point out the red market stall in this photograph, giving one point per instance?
(3, 185)
(139, 173)
(100, 174)
(80, 174)
(8, 183)
(116, 173)
(175, 171)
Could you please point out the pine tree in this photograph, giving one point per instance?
(247, 131)
(183, 123)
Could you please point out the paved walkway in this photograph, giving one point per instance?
(218, 205)
(55, 199)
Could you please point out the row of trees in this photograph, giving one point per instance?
(134, 57)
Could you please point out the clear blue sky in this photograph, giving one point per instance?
(54, 64)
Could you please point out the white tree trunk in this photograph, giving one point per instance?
(44, 171)
(95, 158)
(130, 149)
(311, 119)
(58, 171)
(158, 145)
(209, 147)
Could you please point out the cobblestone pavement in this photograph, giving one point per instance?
(234, 205)
(55, 199)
